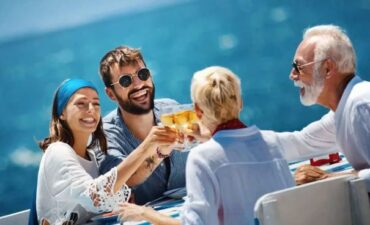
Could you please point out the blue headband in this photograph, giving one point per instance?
(67, 89)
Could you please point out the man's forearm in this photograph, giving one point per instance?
(144, 171)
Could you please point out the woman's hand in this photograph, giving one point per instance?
(195, 132)
(131, 212)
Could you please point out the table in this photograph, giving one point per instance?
(343, 165)
(173, 208)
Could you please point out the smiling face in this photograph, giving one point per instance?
(82, 112)
(138, 98)
(309, 79)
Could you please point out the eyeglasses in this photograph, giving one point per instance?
(126, 79)
(298, 68)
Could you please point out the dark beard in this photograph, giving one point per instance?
(130, 107)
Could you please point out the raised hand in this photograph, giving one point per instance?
(196, 133)
(160, 137)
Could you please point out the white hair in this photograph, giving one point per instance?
(332, 42)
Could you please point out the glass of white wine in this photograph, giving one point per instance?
(181, 117)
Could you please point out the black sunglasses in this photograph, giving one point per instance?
(297, 68)
(126, 79)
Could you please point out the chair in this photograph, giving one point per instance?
(360, 206)
(18, 218)
(241, 184)
(338, 200)
(32, 218)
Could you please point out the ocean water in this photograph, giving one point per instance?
(255, 39)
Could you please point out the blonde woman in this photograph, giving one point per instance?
(222, 185)
(69, 188)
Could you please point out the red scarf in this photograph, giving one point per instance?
(231, 124)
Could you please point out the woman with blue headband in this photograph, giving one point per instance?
(69, 188)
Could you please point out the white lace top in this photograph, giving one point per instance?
(69, 187)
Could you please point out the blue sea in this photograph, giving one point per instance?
(256, 39)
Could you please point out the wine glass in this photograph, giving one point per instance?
(181, 117)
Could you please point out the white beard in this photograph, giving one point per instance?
(311, 92)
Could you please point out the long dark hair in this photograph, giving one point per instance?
(60, 131)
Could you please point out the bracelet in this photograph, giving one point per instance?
(160, 155)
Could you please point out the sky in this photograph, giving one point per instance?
(24, 17)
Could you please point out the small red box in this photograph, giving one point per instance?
(331, 159)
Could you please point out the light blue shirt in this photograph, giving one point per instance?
(352, 122)
(227, 174)
(122, 142)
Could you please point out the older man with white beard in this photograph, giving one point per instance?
(324, 69)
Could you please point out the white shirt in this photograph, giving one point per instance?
(230, 197)
(347, 130)
(316, 139)
(69, 187)
(352, 121)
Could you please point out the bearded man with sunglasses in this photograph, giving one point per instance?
(128, 82)
(324, 69)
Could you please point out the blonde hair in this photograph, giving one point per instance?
(332, 42)
(216, 90)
